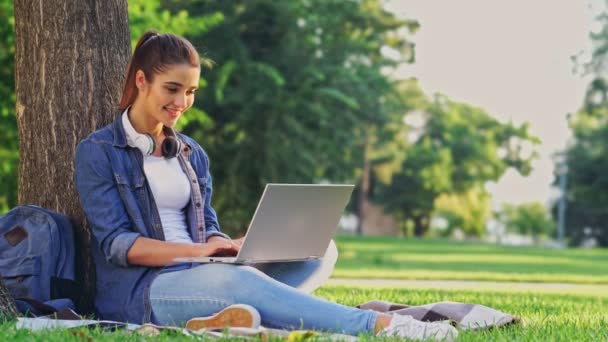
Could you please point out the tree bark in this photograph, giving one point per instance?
(421, 225)
(7, 304)
(363, 194)
(70, 61)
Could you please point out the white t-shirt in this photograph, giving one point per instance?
(170, 188)
(171, 191)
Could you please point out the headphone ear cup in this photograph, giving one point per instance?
(170, 147)
(145, 143)
(141, 141)
(151, 143)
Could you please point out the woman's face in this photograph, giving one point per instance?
(169, 94)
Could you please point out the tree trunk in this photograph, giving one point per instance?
(421, 225)
(70, 61)
(363, 193)
(7, 304)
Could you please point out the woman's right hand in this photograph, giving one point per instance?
(218, 247)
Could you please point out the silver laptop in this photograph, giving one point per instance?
(292, 222)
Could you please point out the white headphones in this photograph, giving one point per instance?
(170, 147)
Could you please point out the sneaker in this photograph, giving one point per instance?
(236, 315)
(407, 327)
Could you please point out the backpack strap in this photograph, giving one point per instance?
(35, 308)
(64, 288)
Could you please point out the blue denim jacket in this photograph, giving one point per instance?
(119, 206)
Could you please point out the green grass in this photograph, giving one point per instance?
(575, 313)
(547, 317)
(395, 258)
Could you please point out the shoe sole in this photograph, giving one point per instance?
(229, 317)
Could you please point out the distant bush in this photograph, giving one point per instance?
(527, 219)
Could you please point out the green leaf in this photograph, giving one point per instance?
(223, 76)
(271, 72)
(339, 96)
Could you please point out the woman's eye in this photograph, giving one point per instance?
(172, 90)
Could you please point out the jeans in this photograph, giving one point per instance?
(208, 288)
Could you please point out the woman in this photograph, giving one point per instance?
(146, 191)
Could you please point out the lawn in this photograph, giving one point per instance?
(548, 317)
(580, 315)
(395, 258)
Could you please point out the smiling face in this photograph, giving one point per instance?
(167, 95)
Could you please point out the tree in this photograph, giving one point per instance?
(586, 157)
(297, 88)
(527, 219)
(586, 160)
(468, 211)
(458, 148)
(9, 141)
(410, 194)
(166, 16)
(70, 61)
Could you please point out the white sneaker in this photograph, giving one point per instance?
(407, 327)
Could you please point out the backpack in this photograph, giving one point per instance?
(37, 252)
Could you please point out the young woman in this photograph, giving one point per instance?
(146, 191)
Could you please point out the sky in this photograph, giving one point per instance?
(511, 58)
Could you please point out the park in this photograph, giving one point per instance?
(309, 91)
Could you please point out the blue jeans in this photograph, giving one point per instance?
(208, 288)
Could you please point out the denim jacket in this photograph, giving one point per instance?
(119, 206)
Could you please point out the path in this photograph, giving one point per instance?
(600, 290)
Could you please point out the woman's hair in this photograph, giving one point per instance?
(153, 53)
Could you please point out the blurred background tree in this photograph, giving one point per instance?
(457, 148)
(156, 15)
(9, 143)
(587, 162)
(527, 219)
(297, 92)
(586, 157)
(467, 212)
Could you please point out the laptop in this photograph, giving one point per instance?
(292, 222)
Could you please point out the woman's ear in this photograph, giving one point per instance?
(140, 79)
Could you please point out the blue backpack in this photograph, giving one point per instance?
(37, 258)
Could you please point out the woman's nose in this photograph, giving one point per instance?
(180, 101)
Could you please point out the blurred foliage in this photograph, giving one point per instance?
(299, 94)
(455, 148)
(9, 143)
(467, 212)
(147, 15)
(527, 219)
(297, 88)
(587, 190)
(586, 157)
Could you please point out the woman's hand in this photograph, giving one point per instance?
(151, 252)
(219, 246)
(238, 241)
